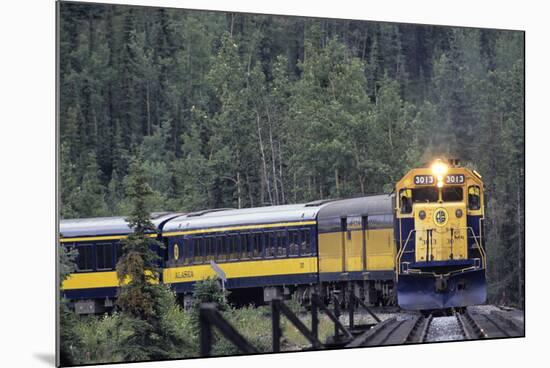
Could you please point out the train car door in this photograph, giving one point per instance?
(343, 244)
(364, 235)
(353, 244)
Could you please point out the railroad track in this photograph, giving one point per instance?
(470, 327)
(498, 324)
(393, 331)
(465, 325)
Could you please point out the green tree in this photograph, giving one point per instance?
(89, 198)
(207, 291)
(141, 298)
(68, 183)
(233, 137)
(69, 340)
(137, 268)
(193, 174)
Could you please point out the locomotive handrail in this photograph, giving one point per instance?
(467, 228)
(400, 254)
(480, 248)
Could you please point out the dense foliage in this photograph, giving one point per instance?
(69, 342)
(116, 337)
(235, 110)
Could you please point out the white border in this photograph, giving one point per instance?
(27, 184)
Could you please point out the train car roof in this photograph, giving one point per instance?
(99, 226)
(330, 215)
(362, 206)
(244, 216)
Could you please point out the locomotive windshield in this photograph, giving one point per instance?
(430, 194)
(452, 194)
(425, 195)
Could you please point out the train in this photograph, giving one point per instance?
(441, 262)
(420, 247)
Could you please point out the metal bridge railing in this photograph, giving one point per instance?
(278, 307)
(211, 318)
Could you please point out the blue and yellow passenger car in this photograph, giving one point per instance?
(93, 286)
(255, 248)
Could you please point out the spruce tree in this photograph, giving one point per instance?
(137, 269)
(142, 300)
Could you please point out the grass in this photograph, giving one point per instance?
(102, 337)
(254, 324)
(294, 340)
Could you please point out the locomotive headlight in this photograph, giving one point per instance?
(439, 168)
(440, 184)
(422, 214)
(458, 213)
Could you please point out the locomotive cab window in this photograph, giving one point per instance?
(474, 198)
(424, 195)
(405, 197)
(452, 194)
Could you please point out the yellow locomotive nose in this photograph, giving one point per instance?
(440, 231)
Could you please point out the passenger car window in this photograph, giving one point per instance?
(104, 256)
(85, 258)
(305, 247)
(198, 248)
(187, 243)
(255, 241)
(281, 243)
(270, 244)
(294, 242)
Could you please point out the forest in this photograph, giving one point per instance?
(242, 110)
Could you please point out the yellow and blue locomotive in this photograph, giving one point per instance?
(439, 216)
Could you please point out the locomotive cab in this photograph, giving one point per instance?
(441, 260)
